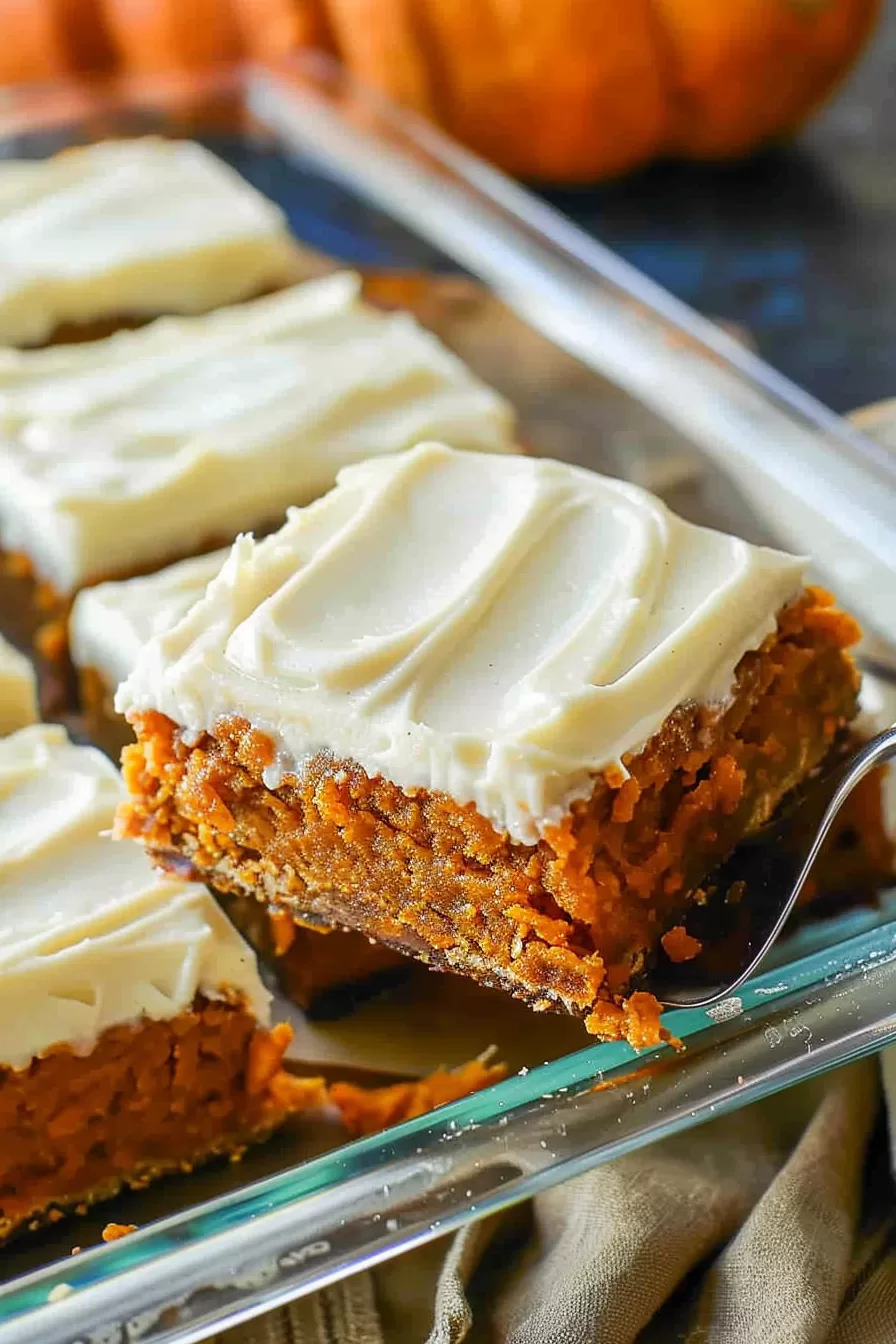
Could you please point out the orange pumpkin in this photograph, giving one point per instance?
(564, 90)
(574, 90)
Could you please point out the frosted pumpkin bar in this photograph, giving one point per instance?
(121, 455)
(134, 1028)
(502, 714)
(130, 229)
(18, 689)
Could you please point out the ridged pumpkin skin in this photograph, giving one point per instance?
(576, 90)
(747, 70)
(48, 39)
(557, 90)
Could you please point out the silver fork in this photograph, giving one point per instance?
(755, 890)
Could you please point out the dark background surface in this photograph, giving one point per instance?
(798, 245)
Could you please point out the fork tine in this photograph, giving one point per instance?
(751, 895)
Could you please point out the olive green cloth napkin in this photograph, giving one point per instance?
(775, 1225)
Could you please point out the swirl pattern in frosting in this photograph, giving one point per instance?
(116, 455)
(495, 629)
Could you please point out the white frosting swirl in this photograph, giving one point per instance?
(497, 629)
(118, 454)
(91, 936)
(130, 228)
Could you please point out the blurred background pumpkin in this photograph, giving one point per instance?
(557, 90)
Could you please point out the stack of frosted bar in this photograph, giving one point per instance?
(134, 1032)
(497, 713)
(120, 455)
(165, 384)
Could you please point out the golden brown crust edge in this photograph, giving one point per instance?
(565, 923)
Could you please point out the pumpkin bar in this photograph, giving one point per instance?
(134, 1028)
(129, 229)
(109, 625)
(121, 455)
(502, 714)
(18, 689)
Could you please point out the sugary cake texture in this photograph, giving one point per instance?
(129, 1005)
(18, 689)
(500, 713)
(130, 228)
(117, 456)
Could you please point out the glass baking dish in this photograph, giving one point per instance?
(606, 370)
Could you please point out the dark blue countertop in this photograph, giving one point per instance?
(798, 245)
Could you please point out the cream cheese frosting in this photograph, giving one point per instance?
(91, 936)
(495, 629)
(121, 454)
(130, 228)
(18, 689)
(111, 622)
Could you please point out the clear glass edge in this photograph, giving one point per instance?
(828, 489)
(379, 1196)
(149, 1269)
(321, 73)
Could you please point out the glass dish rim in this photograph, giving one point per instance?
(59, 103)
(26, 1305)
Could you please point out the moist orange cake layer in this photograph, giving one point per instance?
(153, 1098)
(566, 922)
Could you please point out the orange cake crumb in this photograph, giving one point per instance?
(678, 944)
(368, 1110)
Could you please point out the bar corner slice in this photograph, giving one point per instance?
(501, 714)
(135, 1035)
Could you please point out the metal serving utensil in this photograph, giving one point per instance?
(751, 895)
